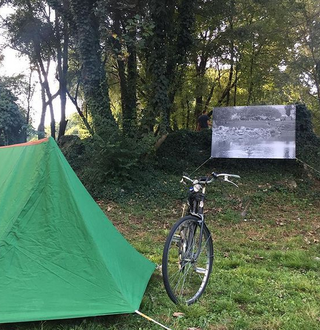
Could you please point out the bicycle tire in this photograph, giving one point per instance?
(185, 278)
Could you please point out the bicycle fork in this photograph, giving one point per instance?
(188, 242)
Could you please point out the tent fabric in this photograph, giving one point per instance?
(60, 256)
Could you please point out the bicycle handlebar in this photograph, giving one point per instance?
(207, 180)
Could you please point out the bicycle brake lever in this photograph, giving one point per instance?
(226, 178)
(182, 181)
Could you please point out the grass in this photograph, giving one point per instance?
(267, 258)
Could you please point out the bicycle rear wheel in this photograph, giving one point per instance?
(187, 263)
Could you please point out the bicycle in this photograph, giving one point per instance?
(188, 251)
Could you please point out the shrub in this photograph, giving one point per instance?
(308, 143)
(183, 149)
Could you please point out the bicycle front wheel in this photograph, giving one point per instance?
(187, 260)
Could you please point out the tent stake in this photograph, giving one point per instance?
(152, 320)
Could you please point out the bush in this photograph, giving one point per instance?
(73, 149)
(184, 149)
(108, 168)
(308, 143)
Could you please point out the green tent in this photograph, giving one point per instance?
(60, 256)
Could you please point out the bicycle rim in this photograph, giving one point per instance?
(185, 268)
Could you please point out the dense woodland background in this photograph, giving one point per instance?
(140, 72)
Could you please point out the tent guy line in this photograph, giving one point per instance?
(304, 163)
(152, 320)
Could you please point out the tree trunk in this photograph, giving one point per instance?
(188, 115)
(317, 81)
(29, 97)
(127, 76)
(200, 73)
(41, 133)
(62, 59)
(157, 66)
(43, 72)
(250, 87)
(95, 84)
(81, 114)
(130, 116)
(232, 53)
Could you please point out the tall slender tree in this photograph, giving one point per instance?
(94, 79)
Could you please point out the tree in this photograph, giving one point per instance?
(31, 33)
(62, 36)
(304, 60)
(94, 79)
(12, 119)
(125, 20)
(165, 56)
(135, 67)
(239, 53)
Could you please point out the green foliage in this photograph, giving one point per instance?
(94, 79)
(166, 58)
(74, 150)
(76, 127)
(308, 143)
(29, 33)
(12, 120)
(110, 169)
(193, 55)
(184, 149)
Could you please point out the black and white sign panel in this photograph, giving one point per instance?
(254, 132)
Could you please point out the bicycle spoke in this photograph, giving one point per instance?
(188, 260)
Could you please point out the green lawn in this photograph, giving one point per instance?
(267, 258)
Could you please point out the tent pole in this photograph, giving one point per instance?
(152, 320)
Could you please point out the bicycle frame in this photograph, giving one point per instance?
(198, 206)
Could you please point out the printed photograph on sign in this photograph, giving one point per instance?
(254, 132)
